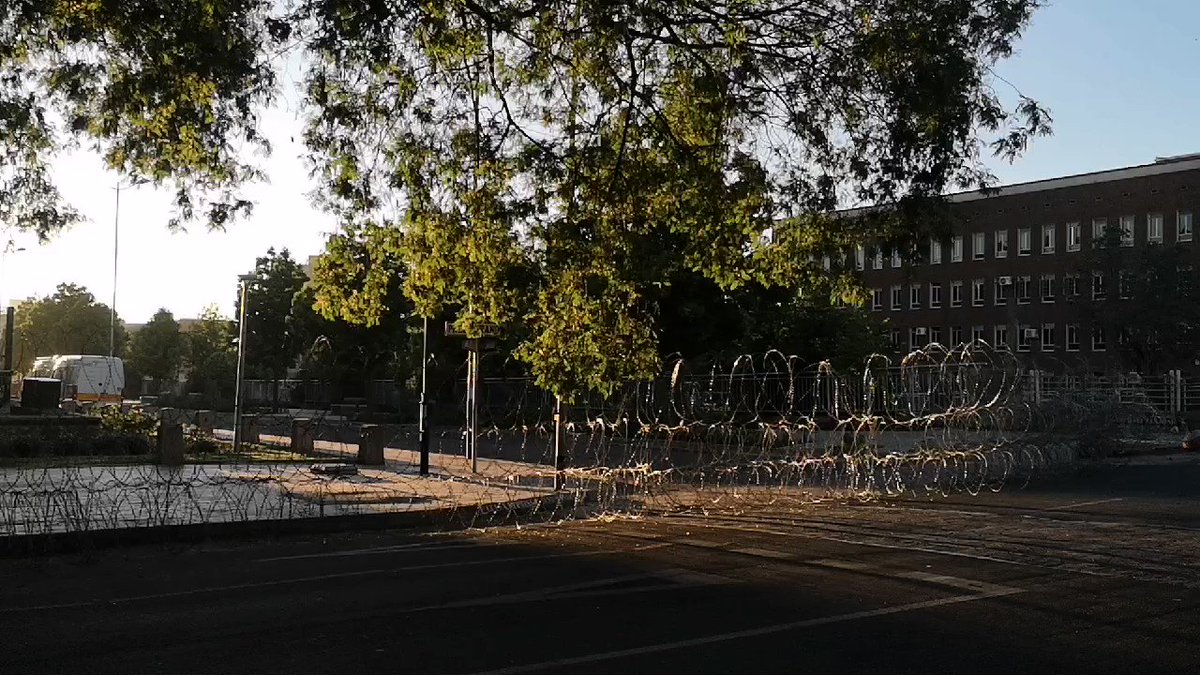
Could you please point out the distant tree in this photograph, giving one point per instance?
(1150, 309)
(157, 350)
(271, 346)
(211, 357)
(68, 322)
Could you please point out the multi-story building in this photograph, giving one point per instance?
(1010, 273)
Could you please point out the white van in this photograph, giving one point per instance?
(86, 379)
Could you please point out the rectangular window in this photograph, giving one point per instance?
(1047, 239)
(1184, 274)
(956, 246)
(914, 296)
(1071, 287)
(1000, 336)
(1098, 290)
(1099, 340)
(1074, 237)
(896, 339)
(876, 299)
(1183, 226)
(896, 260)
(935, 335)
(935, 296)
(1003, 284)
(916, 338)
(1024, 241)
(1154, 228)
(1023, 283)
(1127, 231)
(1072, 337)
(897, 297)
(860, 258)
(977, 333)
(956, 294)
(1001, 243)
(956, 335)
(1047, 287)
(877, 260)
(978, 246)
(935, 252)
(1124, 284)
(1048, 341)
(977, 292)
(1098, 226)
(1025, 337)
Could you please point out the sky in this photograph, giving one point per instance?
(1119, 78)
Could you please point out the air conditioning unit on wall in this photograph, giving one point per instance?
(920, 331)
(1006, 281)
(1031, 333)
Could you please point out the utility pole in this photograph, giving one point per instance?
(238, 399)
(112, 309)
(423, 409)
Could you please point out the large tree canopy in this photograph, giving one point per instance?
(548, 164)
(158, 349)
(68, 322)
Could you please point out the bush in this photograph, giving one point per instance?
(134, 422)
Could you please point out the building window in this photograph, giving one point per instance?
(1183, 226)
(935, 295)
(1124, 283)
(916, 338)
(935, 335)
(1071, 287)
(877, 260)
(1023, 283)
(914, 296)
(956, 246)
(978, 246)
(1099, 341)
(876, 299)
(1000, 336)
(1024, 241)
(896, 260)
(956, 294)
(956, 335)
(977, 292)
(935, 252)
(1154, 229)
(1072, 337)
(897, 297)
(1047, 239)
(1074, 236)
(896, 339)
(1048, 337)
(1127, 231)
(1047, 287)
(825, 262)
(1098, 290)
(860, 258)
(1001, 243)
(1003, 284)
(1025, 337)
(976, 333)
(1183, 280)
(1098, 226)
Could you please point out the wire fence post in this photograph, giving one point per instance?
(558, 438)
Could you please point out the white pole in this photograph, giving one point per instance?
(241, 367)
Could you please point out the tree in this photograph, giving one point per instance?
(68, 322)
(157, 350)
(549, 165)
(211, 355)
(271, 345)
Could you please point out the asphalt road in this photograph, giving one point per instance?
(1099, 572)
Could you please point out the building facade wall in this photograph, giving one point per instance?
(1171, 192)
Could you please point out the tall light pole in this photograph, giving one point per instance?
(238, 402)
(4, 254)
(112, 309)
(423, 411)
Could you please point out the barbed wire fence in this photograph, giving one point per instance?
(740, 434)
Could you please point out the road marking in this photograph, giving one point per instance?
(742, 634)
(764, 553)
(378, 550)
(1079, 504)
(691, 541)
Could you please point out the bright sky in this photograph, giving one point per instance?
(1119, 78)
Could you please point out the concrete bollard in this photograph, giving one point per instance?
(370, 445)
(170, 444)
(171, 416)
(249, 428)
(69, 406)
(302, 436)
(205, 420)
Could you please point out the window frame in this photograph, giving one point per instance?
(1180, 235)
(1127, 225)
(876, 299)
(1000, 336)
(1074, 232)
(956, 248)
(935, 298)
(1048, 345)
(977, 300)
(956, 294)
(1071, 329)
(1024, 241)
(914, 296)
(1046, 282)
(1151, 236)
(935, 252)
(897, 292)
(1024, 281)
(1048, 237)
(1000, 244)
(978, 246)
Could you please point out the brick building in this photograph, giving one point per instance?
(1010, 273)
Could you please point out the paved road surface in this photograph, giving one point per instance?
(1099, 573)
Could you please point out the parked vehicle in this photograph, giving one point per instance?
(86, 379)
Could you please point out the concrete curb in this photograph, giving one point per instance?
(446, 519)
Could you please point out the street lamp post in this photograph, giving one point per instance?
(238, 399)
(423, 410)
(112, 310)
(4, 254)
